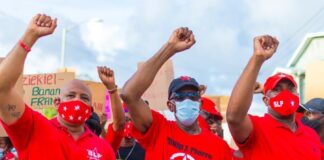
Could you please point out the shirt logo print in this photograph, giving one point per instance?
(93, 154)
(184, 156)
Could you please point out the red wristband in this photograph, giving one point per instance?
(24, 46)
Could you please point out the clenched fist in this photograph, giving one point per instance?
(41, 25)
(265, 46)
(107, 77)
(181, 39)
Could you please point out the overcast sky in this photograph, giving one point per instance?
(132, 31)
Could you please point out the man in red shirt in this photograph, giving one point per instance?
(314, 117)
(210, 118)
(126, 146)
(33, 136)
(118, 134)
(276, 135)
(163, 139)
(117, 126)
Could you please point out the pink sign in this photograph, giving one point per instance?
(107, 106)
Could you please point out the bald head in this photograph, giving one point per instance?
(76, 90)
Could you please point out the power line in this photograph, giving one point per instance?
(289, 43)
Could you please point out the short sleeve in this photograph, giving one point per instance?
(148, 139)
(114, 138)
(20, 132)
(250, 141)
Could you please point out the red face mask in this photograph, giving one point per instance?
(128, 129)
(74, 112)
(285, 103)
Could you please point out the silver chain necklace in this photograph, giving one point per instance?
(130, 152)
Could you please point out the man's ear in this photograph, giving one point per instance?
(266, 100)
(202, 89)
(307, 113)
(171, 106)
(57, 101)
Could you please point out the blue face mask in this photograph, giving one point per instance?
(187, 111)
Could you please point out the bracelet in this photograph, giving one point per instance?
(24, 46)
(111, 91)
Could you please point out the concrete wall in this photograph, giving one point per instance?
(314, 80)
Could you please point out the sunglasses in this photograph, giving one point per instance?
(180, 96)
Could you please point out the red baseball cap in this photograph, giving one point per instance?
(272, 81)
(209, 106)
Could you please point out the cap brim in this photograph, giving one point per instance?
(302, 108)
(220, 117)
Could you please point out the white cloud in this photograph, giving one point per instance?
(258, 107)
(40, 61)
(105, 40)
(134, 31)
(218, 78)
(281, 18)
(4, 49)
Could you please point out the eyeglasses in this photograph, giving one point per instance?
(180, 96)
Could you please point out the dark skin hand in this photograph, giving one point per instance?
(180, 40)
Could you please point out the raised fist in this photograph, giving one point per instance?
(258, 88)
(107, 77)
(181, 39)
(265, 46)
(41, 25)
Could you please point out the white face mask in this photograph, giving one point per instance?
(187, 111)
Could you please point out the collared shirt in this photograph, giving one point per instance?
(35, 137)
(165, 140)
(271, 139)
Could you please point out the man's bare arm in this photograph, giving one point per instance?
(11, 104)
(180, 40)
(107, 77)
(240, 101)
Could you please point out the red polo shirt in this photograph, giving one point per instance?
(35, 137)
(271, 139)
(165, 140)
(114, 138)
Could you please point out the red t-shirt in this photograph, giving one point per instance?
(35, 137)
(114, 138)
(165, 140)
(271, 139)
